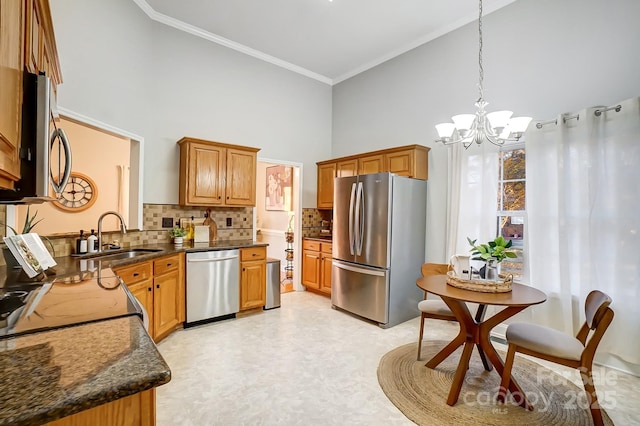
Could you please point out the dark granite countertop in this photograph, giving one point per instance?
(49, 375)
(70, 267)
(323, 239)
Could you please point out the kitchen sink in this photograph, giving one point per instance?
(120, 255)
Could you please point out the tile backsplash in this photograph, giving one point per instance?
(314, 220)
(241, 227)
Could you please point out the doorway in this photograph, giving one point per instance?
(277, 215)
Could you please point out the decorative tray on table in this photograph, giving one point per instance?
(503, 285)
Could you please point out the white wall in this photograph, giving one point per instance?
(161, 83)
(541, 58)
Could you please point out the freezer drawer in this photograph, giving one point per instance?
(360, 290)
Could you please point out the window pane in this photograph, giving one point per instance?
(513, 195)
(512, 228)
(514, 164)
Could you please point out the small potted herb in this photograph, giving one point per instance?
(492, 253)
(178, 235)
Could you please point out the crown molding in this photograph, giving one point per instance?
(199, 32)
(422, 40)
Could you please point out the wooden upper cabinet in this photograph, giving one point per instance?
(26, 41)
(41, 54)
(371, 164)
(241, 190)
(326, 174)
(216, 174)
(410, 161)
(11, 64)
(347, 168)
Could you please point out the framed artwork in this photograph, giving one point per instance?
(278, 190)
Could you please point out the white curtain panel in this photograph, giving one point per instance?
(473, 191)
(583, 226)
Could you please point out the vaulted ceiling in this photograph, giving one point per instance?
(329, 40)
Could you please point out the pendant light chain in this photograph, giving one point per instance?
(480, 69)
(495, 127)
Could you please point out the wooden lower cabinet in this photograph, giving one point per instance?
(325, 268)
(159, 287)
(316, 265)
(253, 277)
(134, 410)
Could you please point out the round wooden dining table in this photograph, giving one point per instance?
(474, 331)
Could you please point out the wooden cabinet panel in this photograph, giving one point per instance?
(316, 265)
(311, 268)
(347, 168)
(241, 178)
(168, 295)
(400, 163)
(143, 292)
(166, 264)
(253, 285)
(325, 272)
(201, 168)
(371, 164)
(216, 174)
(135, 273)
(166, 304)
(326, 174)
(253, 253)
(253, 277)
(133, 410)
(11, 65)
(408, 161)
(159, 287)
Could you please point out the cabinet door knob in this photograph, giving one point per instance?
(157, 285)
(149, 288)
(219, 197)
(243, 269)
(135, 274)
(168, 264)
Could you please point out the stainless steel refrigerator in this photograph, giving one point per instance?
(379, 223)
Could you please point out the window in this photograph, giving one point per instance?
(511, 205)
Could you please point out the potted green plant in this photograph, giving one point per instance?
(492, 253)
(177, 234)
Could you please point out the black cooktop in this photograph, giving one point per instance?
(29, 308)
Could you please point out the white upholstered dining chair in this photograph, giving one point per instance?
(432, 308)
(561, 348)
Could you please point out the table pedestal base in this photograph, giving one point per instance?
(475, 332)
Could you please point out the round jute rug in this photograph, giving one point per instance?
(421, 393)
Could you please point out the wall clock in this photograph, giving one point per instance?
(78, 195)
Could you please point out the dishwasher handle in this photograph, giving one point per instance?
(216, 259)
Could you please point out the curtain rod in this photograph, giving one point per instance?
(597, 113)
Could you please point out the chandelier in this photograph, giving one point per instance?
(496, 127)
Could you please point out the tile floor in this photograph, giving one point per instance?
(304, 364)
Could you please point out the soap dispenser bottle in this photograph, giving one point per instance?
(92, 242)
(81, 244)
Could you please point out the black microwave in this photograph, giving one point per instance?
(40, 136)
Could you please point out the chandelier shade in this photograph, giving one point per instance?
(496, 127)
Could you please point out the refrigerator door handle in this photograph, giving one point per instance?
(359, 219)
(358, 270)
(351, 224)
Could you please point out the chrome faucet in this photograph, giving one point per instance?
(122, 226)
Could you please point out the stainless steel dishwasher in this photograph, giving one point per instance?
(213, 285)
